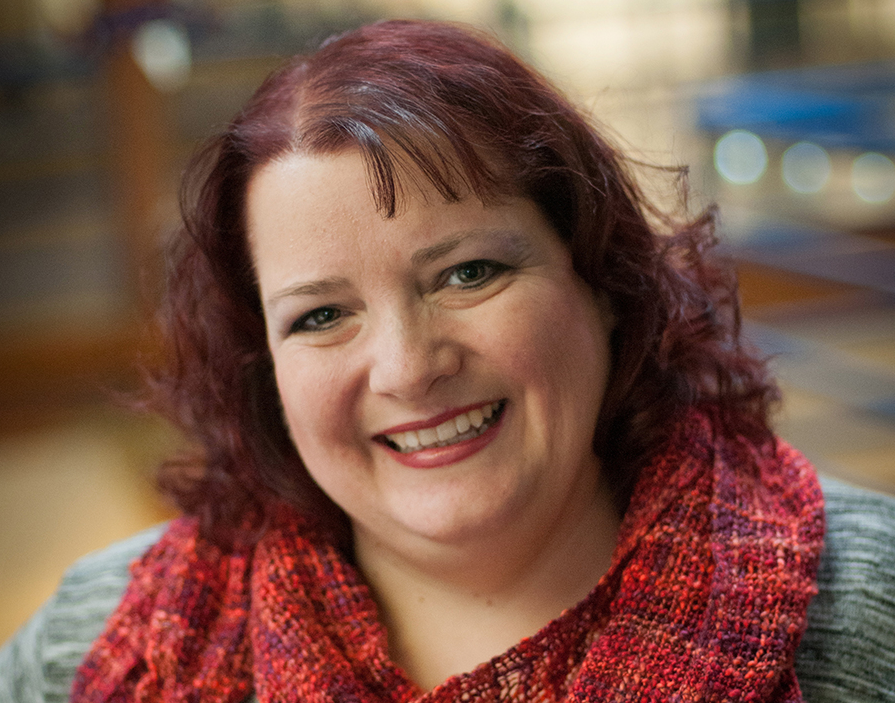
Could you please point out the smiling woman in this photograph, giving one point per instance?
(424, 387)
(476, 420)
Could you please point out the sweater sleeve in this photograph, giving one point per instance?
(848, 652)
(38, 664)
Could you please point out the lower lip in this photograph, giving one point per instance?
(443, 456)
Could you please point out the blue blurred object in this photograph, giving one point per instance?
(803, 114)
(846, 106)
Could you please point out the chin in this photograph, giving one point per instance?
(457, 519)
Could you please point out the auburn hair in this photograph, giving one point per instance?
(447, 104)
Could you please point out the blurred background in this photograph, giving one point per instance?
(784, 110)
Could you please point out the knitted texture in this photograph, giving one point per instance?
(705, 600)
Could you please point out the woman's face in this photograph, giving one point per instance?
(440, 372)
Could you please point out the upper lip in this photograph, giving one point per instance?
(433, 421)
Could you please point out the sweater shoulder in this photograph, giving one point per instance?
(848, 652)
(38, 664)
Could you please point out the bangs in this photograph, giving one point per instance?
(403, 151)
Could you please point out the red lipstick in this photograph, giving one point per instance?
(432, 421)
(433, 456)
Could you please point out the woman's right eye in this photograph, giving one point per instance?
(316, 320)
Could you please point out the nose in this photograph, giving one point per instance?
(412, 351)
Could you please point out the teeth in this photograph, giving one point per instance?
(459, 428)
(446, 430)
(476, 417)
(428, 436)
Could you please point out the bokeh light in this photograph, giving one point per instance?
(873, 177)
(741, 157)
(162, 49)
(806, 167)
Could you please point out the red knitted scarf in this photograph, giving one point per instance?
(705, 601)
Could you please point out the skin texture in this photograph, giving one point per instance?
(376, 324)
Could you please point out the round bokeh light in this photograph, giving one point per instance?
(162, 49)
(741, 157)
(873, 177)
(806, 167)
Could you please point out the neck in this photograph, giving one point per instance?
(449, 608)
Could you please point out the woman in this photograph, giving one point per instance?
(476, 420)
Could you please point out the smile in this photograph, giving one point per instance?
(460, 428)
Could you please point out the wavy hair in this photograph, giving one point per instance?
(450, 105)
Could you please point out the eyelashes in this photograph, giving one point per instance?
(317, 320)
(474, 274)
(467, 276)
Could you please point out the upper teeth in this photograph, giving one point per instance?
(448, 432)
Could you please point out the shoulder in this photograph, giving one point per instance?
(848, 652)
(39, 662)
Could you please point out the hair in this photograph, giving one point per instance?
(450, 105)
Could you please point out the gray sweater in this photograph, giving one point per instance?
(846, 656)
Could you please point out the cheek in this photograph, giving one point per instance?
(558, 328)
(563, 347)
(311, 396)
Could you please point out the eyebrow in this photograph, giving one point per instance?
(514, 241)
(324, 286)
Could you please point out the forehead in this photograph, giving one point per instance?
(298, 188)
(320, 186)
(307, 212)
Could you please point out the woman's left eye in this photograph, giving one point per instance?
(474, 273)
